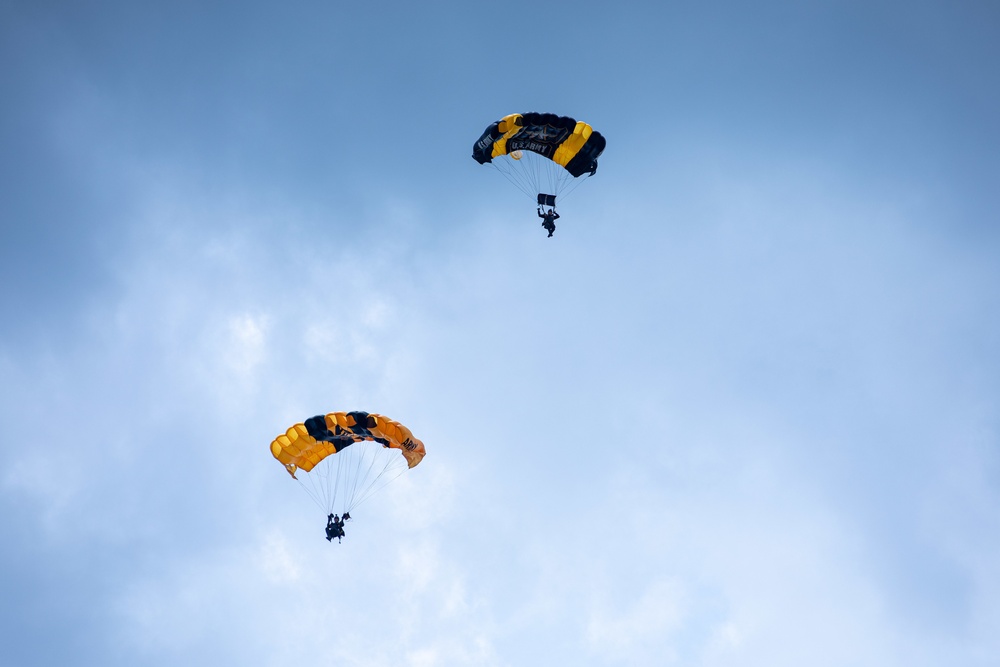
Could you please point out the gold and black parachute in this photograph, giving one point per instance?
(541, 153)
(346, 456)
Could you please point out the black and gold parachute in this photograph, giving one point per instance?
(570, 143)
(346, 456)
(541, 153)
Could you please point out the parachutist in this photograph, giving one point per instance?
(331, 528)
(548, 220)
(335, 527)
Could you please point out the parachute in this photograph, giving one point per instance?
(543, 154)
(346, 456)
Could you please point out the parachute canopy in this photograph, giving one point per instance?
(347, 455)
(542, 154)
(570, 143)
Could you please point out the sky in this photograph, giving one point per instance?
(743, 408)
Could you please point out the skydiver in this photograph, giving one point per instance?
(334, 528)
(548, 219)
(340, 531)
(331, 527)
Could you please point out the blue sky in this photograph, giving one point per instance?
(741, 409)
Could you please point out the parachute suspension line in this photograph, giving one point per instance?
(308, 483)
(346, 479)
(375, 454)
(542, 175)
(516, 176)
(313, 488)
(368, 483)
(375, 489)
(396, 464)
(344, 459)
(323, 483)
(533, 175)
(334, 480)
(535, 166)
(569, 189)
(353, 479)
(357, 459)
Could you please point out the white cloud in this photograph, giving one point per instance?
(278, 562)
(244, 350)
(651, 621)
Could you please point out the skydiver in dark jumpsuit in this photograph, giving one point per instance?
(548, 219)
(334, 528)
